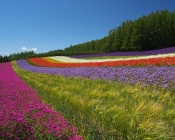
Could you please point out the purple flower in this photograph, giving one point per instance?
(151, 75)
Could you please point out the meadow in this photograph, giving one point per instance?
(121, 99)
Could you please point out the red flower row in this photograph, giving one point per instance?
(137, 62)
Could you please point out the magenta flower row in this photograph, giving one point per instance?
(23, 115)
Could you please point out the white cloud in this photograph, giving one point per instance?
(34, 49)
(24, 49)
(28, 49)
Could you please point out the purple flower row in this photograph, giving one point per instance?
(151, 75)
(24, 116)
(151, 52)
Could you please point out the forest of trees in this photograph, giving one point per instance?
(155, 31)
(17, 56)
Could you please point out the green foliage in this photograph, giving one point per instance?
(107, 110)
(4, 59)
(1, 59)
(22, 55)
(16, 56)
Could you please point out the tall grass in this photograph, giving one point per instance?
(103, 110)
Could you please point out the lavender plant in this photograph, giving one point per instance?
(151, 75)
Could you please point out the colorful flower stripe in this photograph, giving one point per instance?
(139, 62)
(150, 75)
(52, 60)
(24, 116)
(75, 60)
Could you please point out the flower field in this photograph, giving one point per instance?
(151, 75)
(99, 99)
(160, 60)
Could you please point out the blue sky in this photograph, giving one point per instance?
(44, 25)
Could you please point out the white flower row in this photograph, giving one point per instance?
(76, 60)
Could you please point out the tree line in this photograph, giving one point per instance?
(17, 56)
(155, 31)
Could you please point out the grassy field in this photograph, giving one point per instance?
(103, 110)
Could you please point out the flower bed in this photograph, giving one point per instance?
(162, 76)
(109, 110)
(24, 116)
(66, 59)
(161, 60)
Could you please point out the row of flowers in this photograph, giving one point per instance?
(149, 75)
(159, 61)
(75, 60)
(24, 116)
